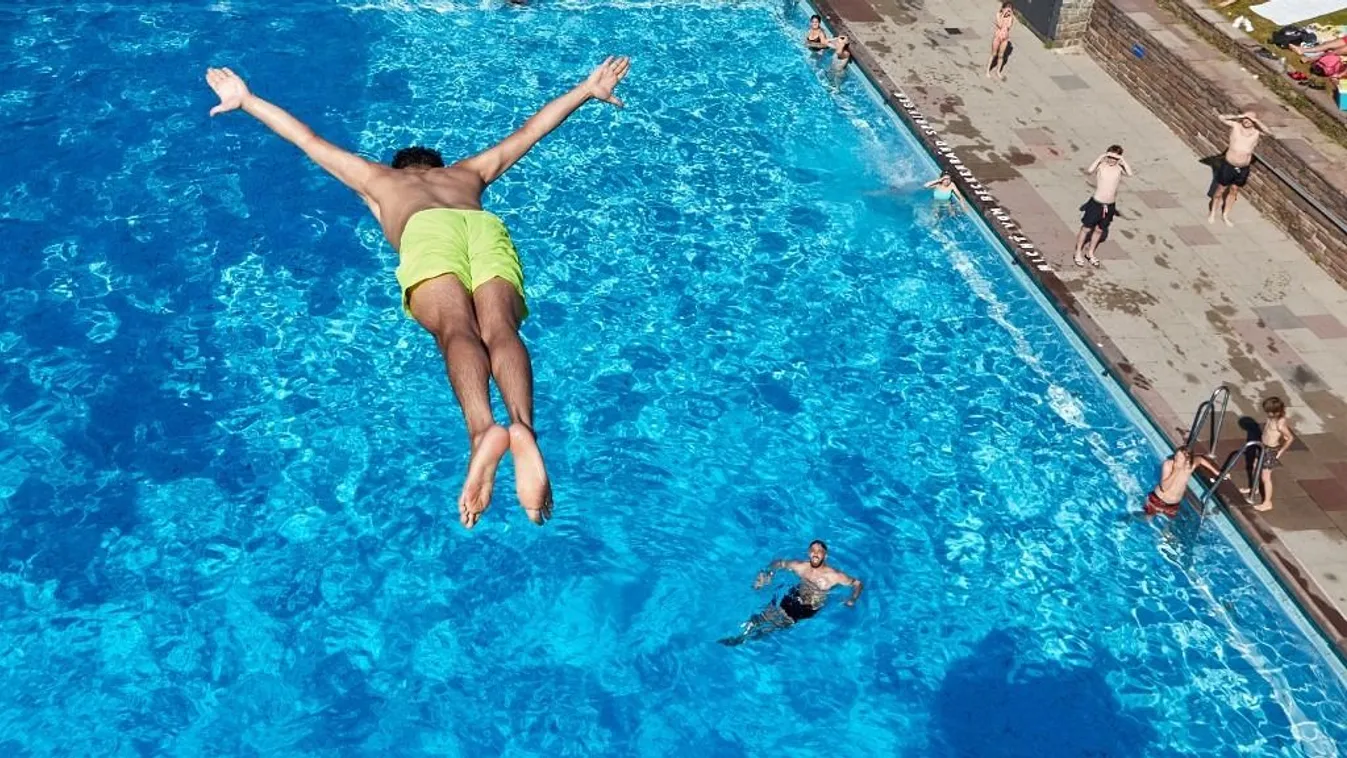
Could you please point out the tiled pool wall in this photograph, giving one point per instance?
(1261, 551)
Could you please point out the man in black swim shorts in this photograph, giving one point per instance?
(804, 600)
(1233, 172)
(1098, 212)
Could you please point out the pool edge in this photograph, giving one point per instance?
(1289, 573)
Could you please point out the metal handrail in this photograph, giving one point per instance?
(1230, 461)
(1206, 414)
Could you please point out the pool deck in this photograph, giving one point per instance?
(1179, 306)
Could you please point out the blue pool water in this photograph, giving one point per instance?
(229, 463)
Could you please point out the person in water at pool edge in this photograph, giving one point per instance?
(804, 600)
(1165, 498)
(948, 199)
(458, 270)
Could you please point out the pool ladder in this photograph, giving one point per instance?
(1208, 416)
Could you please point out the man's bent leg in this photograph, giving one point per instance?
(443, 307)
(1230, 198)
(499, 310)
(1217, 202)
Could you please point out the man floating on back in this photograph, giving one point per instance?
(458, 269)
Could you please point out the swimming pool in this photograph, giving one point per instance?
(229, 463)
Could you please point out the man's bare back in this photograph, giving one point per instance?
(395, 195)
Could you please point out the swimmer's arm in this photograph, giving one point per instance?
(765, 576)
(1095, 166)
(1126, 168)
(491, 164)
(1166, 469)
(931, 183)
(352, 170)
(1204, 463)
(856, 587)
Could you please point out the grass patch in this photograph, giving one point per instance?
(1291, 93)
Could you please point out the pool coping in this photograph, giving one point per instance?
(1271, 551)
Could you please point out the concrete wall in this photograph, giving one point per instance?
(1073, 21)
(1164, 81)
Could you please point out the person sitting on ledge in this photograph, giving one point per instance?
(1310, 52)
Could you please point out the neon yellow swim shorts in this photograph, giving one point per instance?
(474, 246)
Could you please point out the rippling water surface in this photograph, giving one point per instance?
(229, 463)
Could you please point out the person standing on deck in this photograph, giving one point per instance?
(458, 270)
(1233, 173)
(1005, 20)
(1099, 210)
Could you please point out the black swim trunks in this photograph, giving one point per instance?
(1097, 214)
(1270, 459)
(796, 608)
(1227, 174)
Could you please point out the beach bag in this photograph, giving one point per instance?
(1289, 35)
(1329, 64)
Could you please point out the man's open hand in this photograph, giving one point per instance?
(230, 88)
(601, 81)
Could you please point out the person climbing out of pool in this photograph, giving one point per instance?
(816, 38)
(947, 195)
(1098, 212)
(804, 600)
(1174, 475)
(458, 269)
(1233, 173)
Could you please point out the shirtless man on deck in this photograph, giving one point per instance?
(1174, 475)
(1099, 210)
(1233, 173)
(458, 270)
(803, 600)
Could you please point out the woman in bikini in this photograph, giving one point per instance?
(816, 38)
(1005, 18)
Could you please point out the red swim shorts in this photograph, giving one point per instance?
(1155, 505)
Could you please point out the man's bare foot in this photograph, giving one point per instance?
(1227, 220)
(530, 475)
(488, 448)
(1211, 218)
(1264, 507)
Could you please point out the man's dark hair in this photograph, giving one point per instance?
(816, 17)
(1115, 149)
(821, 544)
(418, 156)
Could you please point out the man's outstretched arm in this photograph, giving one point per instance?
(352, 170)
(856, 587)
(492, 163)
(765, 576)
